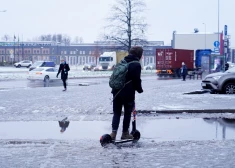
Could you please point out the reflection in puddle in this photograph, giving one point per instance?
(63, 124)
(157, 130)
(188, 129)
(34, 84)
(56, 83)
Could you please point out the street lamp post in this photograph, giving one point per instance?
(77, 59)
(218, 21)
(41, 53)
(205, 34)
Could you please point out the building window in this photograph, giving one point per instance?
(29, 51)
(38, 52)
(34, 51)
(65, 52)
(80, 52)
(83, 52)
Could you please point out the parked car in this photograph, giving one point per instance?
(25, 63)
(43, 73)
(150, 66)
(38, 64)
(220, 82)
(89, 66)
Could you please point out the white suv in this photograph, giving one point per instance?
(25, 63)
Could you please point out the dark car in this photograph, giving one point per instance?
(38, 64)
(220, 82)
(89, 66)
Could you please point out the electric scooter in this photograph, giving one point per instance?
(106, 138)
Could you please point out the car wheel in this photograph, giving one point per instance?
(28, 66)
(19, 66)
(46, 78)
(229, 88)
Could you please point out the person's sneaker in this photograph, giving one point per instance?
(113, 135)
(126, 135)
(65, 89)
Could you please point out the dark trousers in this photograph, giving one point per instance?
(184, 76)
(117, 110)
(64, 83)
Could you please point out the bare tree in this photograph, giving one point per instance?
(96, 52)
(78, 39)
(54, 38)
(126, 25)
(6, 37)
(59, 38)
(66, 39)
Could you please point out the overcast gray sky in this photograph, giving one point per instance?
(86, 18)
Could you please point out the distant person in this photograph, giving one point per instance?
(125, 96)
(218, 68)
(226, 66)
(184, 71)
(64, 68)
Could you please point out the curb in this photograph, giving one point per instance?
(186, 111)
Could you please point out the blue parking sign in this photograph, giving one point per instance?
(216, 44)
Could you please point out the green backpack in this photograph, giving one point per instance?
(118, 77)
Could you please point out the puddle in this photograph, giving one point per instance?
(157, 130)
(57, 83)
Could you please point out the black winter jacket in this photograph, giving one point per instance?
(133, 75)
(64, 68)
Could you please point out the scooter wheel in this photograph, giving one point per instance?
(105, 139)
(136, 135)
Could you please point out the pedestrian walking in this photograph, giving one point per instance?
(125, 96)
(63, 69)
(184, 71)
(226, 66)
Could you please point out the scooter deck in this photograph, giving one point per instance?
(122, 141)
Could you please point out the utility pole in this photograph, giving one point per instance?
(205, 34)
(218, 22)
(14, 47)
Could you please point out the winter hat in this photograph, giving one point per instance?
(136, 51)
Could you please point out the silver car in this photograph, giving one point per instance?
(25, 63)
(220, 82)
(150, 66)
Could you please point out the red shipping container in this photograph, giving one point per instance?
(173, 58)
(170, 60)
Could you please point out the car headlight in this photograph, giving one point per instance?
(216, 77)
